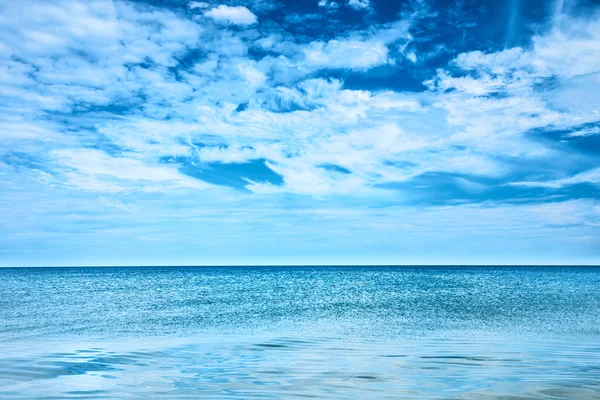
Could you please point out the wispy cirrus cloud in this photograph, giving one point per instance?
(591, 176)
(94, 170)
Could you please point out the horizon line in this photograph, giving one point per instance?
(297, 265)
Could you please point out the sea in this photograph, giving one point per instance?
(300, 332)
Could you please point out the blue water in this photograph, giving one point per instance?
(322, 332)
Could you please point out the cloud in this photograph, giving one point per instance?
(359, 4)
(351, 54)
(94, 170)
(495, 100)
(591, 176)
(460, 126)
(238, 15)
(332, 5)
(198, 4)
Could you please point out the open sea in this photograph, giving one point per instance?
(300, 332)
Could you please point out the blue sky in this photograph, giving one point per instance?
(299, 132)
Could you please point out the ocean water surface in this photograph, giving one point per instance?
(300, 332)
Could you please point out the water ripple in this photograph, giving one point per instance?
(372, 333)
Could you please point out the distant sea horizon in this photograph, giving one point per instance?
(299, 265)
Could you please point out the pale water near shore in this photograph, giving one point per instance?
(372, 332)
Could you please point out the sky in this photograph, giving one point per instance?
(169, 132)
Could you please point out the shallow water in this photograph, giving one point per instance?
(323, 332)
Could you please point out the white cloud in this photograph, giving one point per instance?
(17, 128)
(268, 42)
(497, 99)
(595, 130)
(95, 170)
(232, 154)
(238, 15)
(117, 204)
(328, 4)
(309, 181)
(198, 4)
(359, 4)
(254, 77)
(464, 125)
(90, 66)
(350, 54)
(591, 176)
